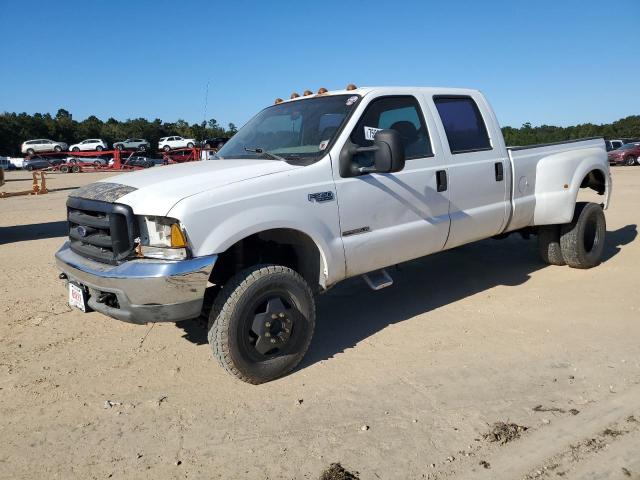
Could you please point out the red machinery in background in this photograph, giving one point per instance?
(109, 160)
(181, 155)
(104, 160)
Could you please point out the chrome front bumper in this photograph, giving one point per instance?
(146, 290)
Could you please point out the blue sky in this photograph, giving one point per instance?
(557, 62)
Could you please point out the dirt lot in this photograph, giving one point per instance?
(399, 384)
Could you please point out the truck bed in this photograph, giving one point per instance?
(544, 177)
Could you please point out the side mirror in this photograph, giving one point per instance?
(388, 155)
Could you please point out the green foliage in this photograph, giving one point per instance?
(16, 128)
(628, 127)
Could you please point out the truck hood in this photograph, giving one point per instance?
(154, 191)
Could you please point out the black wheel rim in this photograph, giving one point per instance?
(272, 326)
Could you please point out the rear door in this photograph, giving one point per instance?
(388, 218)
(478, 168)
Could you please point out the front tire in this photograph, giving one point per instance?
(190, 145)
(99, 148)
(75, 149)
(261, 323)
(582, 240)
(57, 148)
(166, 148)
(549, 244)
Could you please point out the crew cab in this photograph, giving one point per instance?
(314, 190)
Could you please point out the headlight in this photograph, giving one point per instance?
(161, 237)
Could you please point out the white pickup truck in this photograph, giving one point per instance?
(314, 190)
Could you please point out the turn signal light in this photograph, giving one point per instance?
(177, 237)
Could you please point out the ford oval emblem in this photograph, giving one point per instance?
(82, 231)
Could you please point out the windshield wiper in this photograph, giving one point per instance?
(264, 152)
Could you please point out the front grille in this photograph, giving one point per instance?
(101, 231)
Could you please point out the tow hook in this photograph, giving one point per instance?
(63, 276)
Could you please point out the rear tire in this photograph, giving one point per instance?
(166, 148)
(119, 147)
(582, 240)
(57, 148)
(549, 244)
(190, 145)
(30, 151)
(64, 169)
(75, 149)
(30, 168)
(99, 148)
(261, 323)
(76, 169)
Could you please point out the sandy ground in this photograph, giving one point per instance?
(398, 384)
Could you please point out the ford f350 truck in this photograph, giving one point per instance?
(314, 190)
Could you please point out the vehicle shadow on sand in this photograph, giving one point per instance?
(34, 231)
(351, 312)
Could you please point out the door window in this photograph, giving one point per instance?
(402, 114)
(463, 124)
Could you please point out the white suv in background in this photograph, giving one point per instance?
(170, 143)
(42, 145)
(89, 145)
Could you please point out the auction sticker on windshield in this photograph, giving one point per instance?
(370, 132)
(76, 297)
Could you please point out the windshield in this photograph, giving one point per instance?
(294, 131)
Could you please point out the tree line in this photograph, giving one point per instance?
(628, 127)
(15, 128)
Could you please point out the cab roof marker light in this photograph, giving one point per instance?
(306, 93)
(351, 86)
(278, 100)
(294, 95)
(322, 91)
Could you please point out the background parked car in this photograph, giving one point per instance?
(140, 162)
(132, 144)
(170, 143)
(94, 160)
(216, 142)
(627, 154)
(36, 164)
(89, 145)
(42, 145)
(5, 164)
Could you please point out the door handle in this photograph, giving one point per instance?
(499, 171)
(441, 180)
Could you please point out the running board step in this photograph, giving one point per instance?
(378, 279)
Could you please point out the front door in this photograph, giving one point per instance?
(393, 217)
